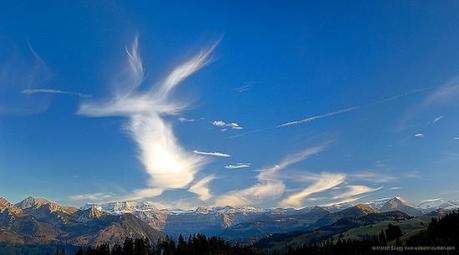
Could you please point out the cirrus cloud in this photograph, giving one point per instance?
(322, 182)
(214, 154)
(225, 126)
(269, 184)
(167, 163)
(237, 165)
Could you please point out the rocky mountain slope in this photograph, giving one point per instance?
(398, 204)
(355, 211)
(40, 222)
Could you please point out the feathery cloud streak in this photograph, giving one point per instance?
(321, 116)
(91, 197)
(201, 188)
(166, 162)
(237, 165)
(353, 193)
(322, 182)
(445, 94)
(350, 109)
(214, 154)
(225, 126)
(53, 91)
(269, 184)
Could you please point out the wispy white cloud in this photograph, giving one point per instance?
(201, 188)
(395, 188)
(182, 204)
(166, 162)
(214, 154)
(243, 88)
(441, 96)
(353, 193)
(141, 193)
(322, 182)
(445, 94)
(92, 197)
(430, 200)
(419, 135)
(355, 190)
(373, 177)
(53, 91)
(321, 116)
(183, 119)
(350, 109)
(19, 72)
(237, 166)
(437, 119)
(255, 193)
(269, 183)
(225, 126)
(412, 174)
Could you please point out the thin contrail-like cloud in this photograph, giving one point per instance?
(321, 116)
(53, 91)
(215, 154)
(237, 165)
(349, 109)
(334, 113)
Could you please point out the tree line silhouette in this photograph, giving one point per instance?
(441, 237)
(439, 233)
(195, 245)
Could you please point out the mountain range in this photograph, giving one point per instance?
(35, 221)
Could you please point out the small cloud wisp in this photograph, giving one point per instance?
(53, 91)
(213, 154)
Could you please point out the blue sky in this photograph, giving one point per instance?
(187, 104)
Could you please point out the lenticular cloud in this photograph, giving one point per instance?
(167, 163)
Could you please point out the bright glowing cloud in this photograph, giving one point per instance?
(164, 159)
(214, 154)
(322, 182)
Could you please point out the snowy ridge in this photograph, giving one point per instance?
(377, 204)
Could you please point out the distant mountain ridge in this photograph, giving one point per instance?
(247, 222)
(208, 220)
